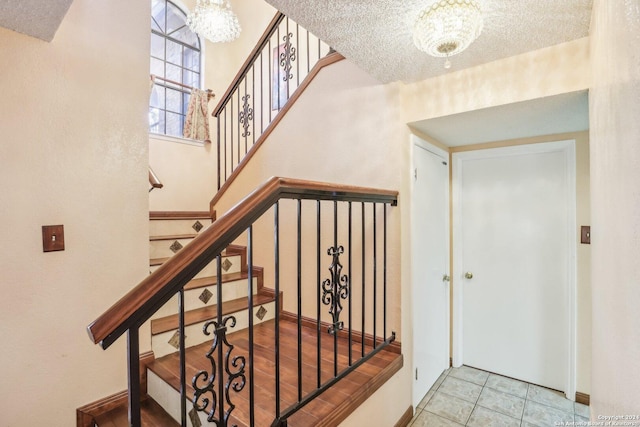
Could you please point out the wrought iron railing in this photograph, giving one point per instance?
(282, 58)
(335, 272)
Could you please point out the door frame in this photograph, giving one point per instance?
(418, 143)
(567, 147)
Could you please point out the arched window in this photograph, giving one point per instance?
(175, 58)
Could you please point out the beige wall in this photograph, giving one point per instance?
(615, 177)
(551, 71)
(73, 152)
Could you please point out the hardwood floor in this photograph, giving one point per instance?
(151, 413)
(328, 409)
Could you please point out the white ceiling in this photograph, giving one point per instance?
(377, 35)
(36, 18)
(544, 116)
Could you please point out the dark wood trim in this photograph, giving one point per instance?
(155, 290)
(154, 181)
(86, 414)
(583, 398)
(324, 62)
(356, 336)
(406, 418)
(253, 56)
(180, 215)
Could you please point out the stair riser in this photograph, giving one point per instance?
(211, 268)
(167, 397)
(194, 335)
(162, 248)
(168, 227)
(230, 291)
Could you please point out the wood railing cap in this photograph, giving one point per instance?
(137, 306)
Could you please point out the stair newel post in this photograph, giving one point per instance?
(276, 232)
(133, 354)
(251, 376)
(182, 350)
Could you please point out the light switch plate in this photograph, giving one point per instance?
(585, 234)
(52, 238)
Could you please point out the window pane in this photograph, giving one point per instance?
(157, 12)
(174, 53)
(175, 18)
(191, 79)
(157, 97)
(185, 102)
(174, 73)
(174, 100)
(157, 46)
(191, 59)
(185, 35)
(174, 124)
(157, 67)
(156, 120)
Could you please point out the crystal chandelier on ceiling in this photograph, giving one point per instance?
(214, 20)
(448, 27)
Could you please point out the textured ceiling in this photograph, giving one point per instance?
(544, 116)
(36, 18)
(377, 34)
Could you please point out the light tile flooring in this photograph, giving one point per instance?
(469, 397)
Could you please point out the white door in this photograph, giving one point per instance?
(430, 262)
(514, 231)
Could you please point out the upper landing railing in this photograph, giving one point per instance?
(278, 65)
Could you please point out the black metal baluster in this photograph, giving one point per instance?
(299, 295)
(318, 314)
(225, 144)
(276, 232)
(364, 306)
(221, 394)
(183, 370)
(231, 127)
(270, 83)
(375, 264)
(238, 124)
(250, 290)
(133, 354)
(350, 276)
(253, 96)
(218, 159)
(336, 294)
(246, 117)
(384, 275)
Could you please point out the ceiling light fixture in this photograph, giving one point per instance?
(214, 20)
(448, 27)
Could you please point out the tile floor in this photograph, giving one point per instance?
(469, 397)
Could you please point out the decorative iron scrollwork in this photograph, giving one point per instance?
(246, 115)
(335, 289)
(234, 368)
(287, 57)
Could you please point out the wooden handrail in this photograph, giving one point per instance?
(271, 28)
(154, 180)
(137, 306)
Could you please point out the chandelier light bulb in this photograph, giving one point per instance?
(448, 27)
(214, 20)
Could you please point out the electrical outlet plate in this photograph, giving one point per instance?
(52, 238)
(585, 234)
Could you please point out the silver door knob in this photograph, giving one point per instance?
(446, 278)
(468, 275)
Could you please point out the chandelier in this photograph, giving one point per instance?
(448, 27)
(214, 20)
